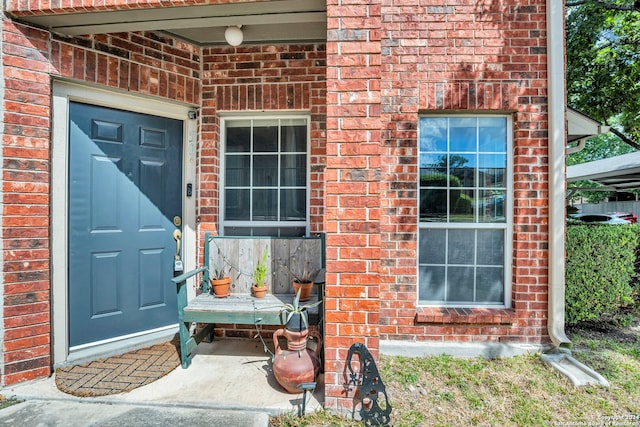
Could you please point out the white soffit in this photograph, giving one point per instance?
(582, 126)
(284, 21)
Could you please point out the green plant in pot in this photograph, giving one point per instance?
(297, 317)
(303, 281)
(259, 276)
(220, 280)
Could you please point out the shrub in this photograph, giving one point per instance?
(600, 269)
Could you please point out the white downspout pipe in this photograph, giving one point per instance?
(557, 174)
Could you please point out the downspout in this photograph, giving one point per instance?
(2, 84)
(557, 174)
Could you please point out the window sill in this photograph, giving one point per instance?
(465, 316)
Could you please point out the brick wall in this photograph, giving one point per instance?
(464, 56)
(353, 182)
(137, 62)
(262, 79)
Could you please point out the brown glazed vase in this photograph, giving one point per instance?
(297, 364)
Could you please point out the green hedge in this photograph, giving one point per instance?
(600, 270)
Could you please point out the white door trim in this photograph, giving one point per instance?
(63, 93)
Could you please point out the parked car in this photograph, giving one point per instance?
(601, 218)
(629, 216)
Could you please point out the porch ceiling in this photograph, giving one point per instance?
(275, 21)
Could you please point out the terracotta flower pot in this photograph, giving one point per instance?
(307, 287)
(259, 291)
(220, 287)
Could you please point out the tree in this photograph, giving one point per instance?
(603, 63)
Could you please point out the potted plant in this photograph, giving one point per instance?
(303, 282)
(220, 281)
(295, 315)
(259, 275)
(297, 364)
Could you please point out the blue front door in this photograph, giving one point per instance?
(125, 180)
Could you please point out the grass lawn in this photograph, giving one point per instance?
(519, 391)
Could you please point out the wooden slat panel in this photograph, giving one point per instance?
(284, 255)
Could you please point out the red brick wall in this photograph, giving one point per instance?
(25, 215)
(469, 56)
(458, 55)
(143, 63)
(354, 201)
(262, 79)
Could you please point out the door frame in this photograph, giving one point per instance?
(63, 93)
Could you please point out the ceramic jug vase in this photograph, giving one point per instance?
(297, 364)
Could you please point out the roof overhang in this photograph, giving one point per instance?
(581, 126)
(618, 173)
(274, 21)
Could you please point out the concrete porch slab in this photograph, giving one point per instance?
(227, 374)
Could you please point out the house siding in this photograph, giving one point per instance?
(384, 64)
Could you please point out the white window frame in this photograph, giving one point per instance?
(506, 226)
(223, 222)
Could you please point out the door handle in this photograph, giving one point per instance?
(177, 236)
(177, 264)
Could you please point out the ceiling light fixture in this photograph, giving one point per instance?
(233, 35)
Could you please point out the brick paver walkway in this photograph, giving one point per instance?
(119, 373)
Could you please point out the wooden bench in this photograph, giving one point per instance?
(240, 255)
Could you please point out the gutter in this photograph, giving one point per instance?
(557, 179)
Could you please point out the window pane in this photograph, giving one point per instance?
(236, 205)
(293, 170)
(490, 285)
(265, 205)
(493, 134)
(490, 247)
(433, 244)
(265, 171)
(433, 170)
(433, 205)
(492, 170)
(292, 231)
(237, 171)
(432, 283)
(294, 139)
(265, 138)
(292, 205)
(461, 247)
(492, 206)
(462, 134)
(460, 284)
(238, 139)
(462, 205)
(433, 134)
(462, 167)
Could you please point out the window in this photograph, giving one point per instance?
(464, 205)
(265, 177)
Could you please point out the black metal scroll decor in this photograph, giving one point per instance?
(371, 388)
